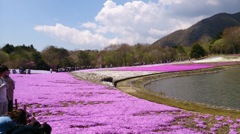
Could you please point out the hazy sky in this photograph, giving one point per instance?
(95, 24)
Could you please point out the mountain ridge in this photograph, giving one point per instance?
(203, 31)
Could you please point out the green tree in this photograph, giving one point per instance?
(4, 57)
(19, 59)
(8, 48)
(19, 56)
(181, 53)
(38, 60)
(123, 52)
(140, 52)
(197, 51)
(217, 47)
(138, 55)
(109, 56)
(169, 54)
(231, 39)
(156, 54)
(84, 59)
(54, 57)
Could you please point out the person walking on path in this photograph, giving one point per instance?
(3, 92)
(10, 87)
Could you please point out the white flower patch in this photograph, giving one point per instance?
(98, 75)
(118, 75)
(219, 59)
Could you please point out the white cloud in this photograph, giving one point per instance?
(213, 2)
(74, 36)
(138, 21)
(89, 25)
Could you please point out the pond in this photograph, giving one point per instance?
(218, 89)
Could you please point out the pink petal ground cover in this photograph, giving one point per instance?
(167, 67)
(72, 106)
(174, 67)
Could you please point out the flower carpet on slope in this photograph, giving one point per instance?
(166, 67)
(119, 73)
(72, 106)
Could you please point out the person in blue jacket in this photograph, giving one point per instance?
(6, 123)
(12, 120)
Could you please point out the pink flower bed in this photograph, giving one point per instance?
(70, 105)
(166, 67)
(73, 106)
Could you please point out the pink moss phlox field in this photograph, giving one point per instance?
(73, 106)
(166, 67)
(70, 106)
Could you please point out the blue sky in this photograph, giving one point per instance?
(95, 24)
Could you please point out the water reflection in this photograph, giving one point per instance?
(219, 89)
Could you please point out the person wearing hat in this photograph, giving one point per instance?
(3, 92)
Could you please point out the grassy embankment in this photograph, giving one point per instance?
(135, 87)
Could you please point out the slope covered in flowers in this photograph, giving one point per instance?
(72, 106)
(166, 67)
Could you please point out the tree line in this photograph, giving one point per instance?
(115, 55)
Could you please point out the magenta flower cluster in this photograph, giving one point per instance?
(166, 67)
(73, 106)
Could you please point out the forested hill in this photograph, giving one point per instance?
(203, 31)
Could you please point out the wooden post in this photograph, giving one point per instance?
(16, 104)
(25, 108)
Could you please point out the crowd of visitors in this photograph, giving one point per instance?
(22, 71)
(16, 121)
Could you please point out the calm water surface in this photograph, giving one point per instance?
(218, 89)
